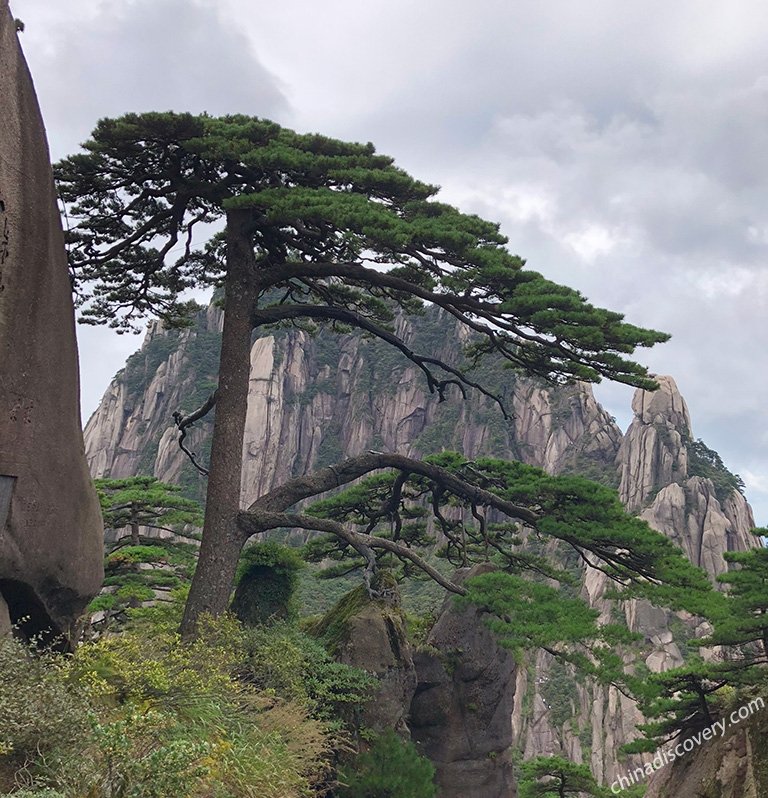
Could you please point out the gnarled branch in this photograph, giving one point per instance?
(325, 479)
(182, 422)
(262, 520)
(271, 315)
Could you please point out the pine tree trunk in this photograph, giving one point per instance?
(135, 539)
(222, 540)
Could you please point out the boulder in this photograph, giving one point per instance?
(50, 524)
(370, 634)
(461, 715)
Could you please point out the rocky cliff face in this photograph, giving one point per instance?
(729, 766)
(50, 523)
(460, 714)
(677, 485)
(315, 400)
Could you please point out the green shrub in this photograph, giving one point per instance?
(267, 579)
(134, 554)
(141, 715)
(287, 662)
(707, 463)
(106, 601)
(392, 768)
(40, 712)
(134, 594)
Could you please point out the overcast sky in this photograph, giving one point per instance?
(622, 145)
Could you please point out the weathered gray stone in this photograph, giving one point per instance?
(461, 715)
(375, 641)
(653, 452)
(730, 766)
(50, 540)
(298, 405)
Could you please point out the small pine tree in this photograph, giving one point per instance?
(138, 502)
(744, 623)
(392, 768)
(556, 777)
(676, 702)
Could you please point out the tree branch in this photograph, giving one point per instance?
(272, 315)
(182, 422)
(261, 521)
(325, 479)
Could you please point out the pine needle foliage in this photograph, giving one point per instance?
(144, 501)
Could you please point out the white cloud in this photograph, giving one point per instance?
(755, 482)
(592, 240)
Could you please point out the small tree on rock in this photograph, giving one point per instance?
(137, 502)
(556, 777)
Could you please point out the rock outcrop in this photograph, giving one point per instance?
(660, 469)
(731, 766)
(370, 635)
(460, 715)
(50, 523)
(653, 452)
(314, 400)
(663, 479)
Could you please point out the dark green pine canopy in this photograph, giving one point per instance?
(342, 237)
(147, 502)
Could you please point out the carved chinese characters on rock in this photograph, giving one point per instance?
(5, 240)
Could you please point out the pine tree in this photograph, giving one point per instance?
(683, 700)
(507, 514)
(317, 230)
(556, 777)
(744, 622)
(676, 702)
(137, 502)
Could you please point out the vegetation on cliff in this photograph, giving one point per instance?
(684, 700)
(141, 714)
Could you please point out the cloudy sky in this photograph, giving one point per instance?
(622, 145)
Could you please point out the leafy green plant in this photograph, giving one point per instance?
(140, 715)
(267, 580)
(40, 712)
(556, 777)
(391, 768)
(287, 662)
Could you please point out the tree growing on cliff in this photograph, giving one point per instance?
(676, 702)
(557, 777)
(137, 502)
(315, 230)
(690, 697)
(508, 514)
(743, 626)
